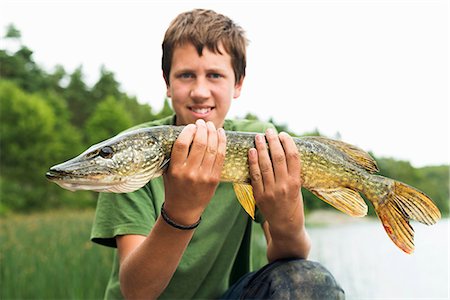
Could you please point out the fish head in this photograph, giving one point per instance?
(121, 164)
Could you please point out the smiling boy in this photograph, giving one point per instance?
(185, 235)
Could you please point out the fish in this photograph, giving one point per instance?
(334, 171)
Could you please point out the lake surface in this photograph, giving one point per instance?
(369, 266)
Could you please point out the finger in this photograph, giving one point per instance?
(292, 154)
(180, 149)
(265, 164)
(211, 148)
(199, 143)
(277, 155)
(255, 172)
(221, 151)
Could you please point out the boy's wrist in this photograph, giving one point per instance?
(174, 224)
(286, 232)
(182, 216)
(297, 245)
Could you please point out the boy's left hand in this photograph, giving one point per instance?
(276, 182)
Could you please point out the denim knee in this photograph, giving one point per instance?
(293, 279)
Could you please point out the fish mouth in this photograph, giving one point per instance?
(68, 182)
(77, 186)
(54, 175)
(71, 176)
(99, 182)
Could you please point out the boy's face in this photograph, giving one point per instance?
(201, 87)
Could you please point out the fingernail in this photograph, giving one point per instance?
(259, 138)
(252, 152)
(200, 122)
(190, 125)
(270, 131)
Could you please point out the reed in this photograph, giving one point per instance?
(49, 256)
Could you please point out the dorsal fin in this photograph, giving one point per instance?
(354, 154)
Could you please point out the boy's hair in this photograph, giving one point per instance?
(205, 28)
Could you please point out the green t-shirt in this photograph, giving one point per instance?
(217, 255)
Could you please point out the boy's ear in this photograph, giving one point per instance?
(238, 87)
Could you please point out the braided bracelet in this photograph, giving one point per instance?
(174, 224)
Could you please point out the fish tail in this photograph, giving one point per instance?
(401, 204)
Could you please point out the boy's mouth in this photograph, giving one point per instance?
(201, 111)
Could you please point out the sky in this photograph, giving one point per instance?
(374, 73)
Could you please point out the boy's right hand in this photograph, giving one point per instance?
(194, 172)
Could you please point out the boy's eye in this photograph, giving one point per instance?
(215, 75)
(186, 75)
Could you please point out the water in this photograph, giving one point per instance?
(369, 266)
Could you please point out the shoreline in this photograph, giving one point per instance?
(328, 217)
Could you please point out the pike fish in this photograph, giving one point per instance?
(334, 171)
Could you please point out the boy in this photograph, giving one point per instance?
(185, 235)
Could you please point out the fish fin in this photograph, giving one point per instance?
(397, 226)
(133, 183)
(344, 199)
(415, 204)
(402, 204)
(244, 193)
(354, 154)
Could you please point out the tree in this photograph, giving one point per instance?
(12, 32)
(251, 117)
(165, 111)
(55, 79)
(21, 68)
(106, 85)
(139, 113)
(108, 119)
(26, 132)
(32, 139)
(78, 98)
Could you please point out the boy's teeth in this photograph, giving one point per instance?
(201, 110)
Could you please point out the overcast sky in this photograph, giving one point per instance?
(376, 72)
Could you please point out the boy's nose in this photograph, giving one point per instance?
(200, 91)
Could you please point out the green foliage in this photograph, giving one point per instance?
(32, 139)
(109, 118)
(48, 118)
(26, 132)
(21, 69)
(165, 111)
(140, 113)
(251, 117)
(12, 32)
(434, 181)
(78, 98)
(106, 86)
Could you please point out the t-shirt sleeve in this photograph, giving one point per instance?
(120, 214)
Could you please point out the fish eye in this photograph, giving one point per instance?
(106, 152)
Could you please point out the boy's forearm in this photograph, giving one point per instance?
(294, 245)
(146, 272)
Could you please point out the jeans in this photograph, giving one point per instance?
(287, 279)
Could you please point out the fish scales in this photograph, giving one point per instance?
(334, 171)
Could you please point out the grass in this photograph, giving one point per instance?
(49, 256)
